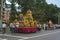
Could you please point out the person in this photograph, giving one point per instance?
(45, 27)
(3, 27)
(11, 26)
(49, 25)
(40, 26)
(37, 26)
(16, 26)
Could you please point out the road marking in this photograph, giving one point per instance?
(2, 39)
(42, 35)
(8, 35)
(23, 38)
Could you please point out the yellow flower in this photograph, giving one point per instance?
(15, 21)
(29, 15)
(35, 22)
(26, 22)
(28, 25)
(21, 25)
(21, 15)
(31, 20)
(32, 23)
(26, 17)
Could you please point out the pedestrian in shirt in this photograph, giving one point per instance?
(16, 26)
(3, 27)
(40, 26)
(44, 25)
(11, 26)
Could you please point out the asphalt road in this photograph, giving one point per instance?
(40, 35)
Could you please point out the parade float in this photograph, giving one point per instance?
(26, 23)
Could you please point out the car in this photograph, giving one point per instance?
(56, 26)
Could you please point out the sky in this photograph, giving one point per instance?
(55, 2)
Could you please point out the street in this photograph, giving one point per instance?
(29, 19)
(40, 35)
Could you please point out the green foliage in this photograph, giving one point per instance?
(41, 11)
(13, 11)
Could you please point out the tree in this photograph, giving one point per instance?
(51, 12)
(13, 11)
(40, 9)
(26, 4)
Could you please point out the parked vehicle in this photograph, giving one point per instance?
(56, 26)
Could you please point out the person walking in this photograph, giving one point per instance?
(16, 26)
(3, 27)
(45, 27)
(37, 27)
(11, 27)
(40, 26)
